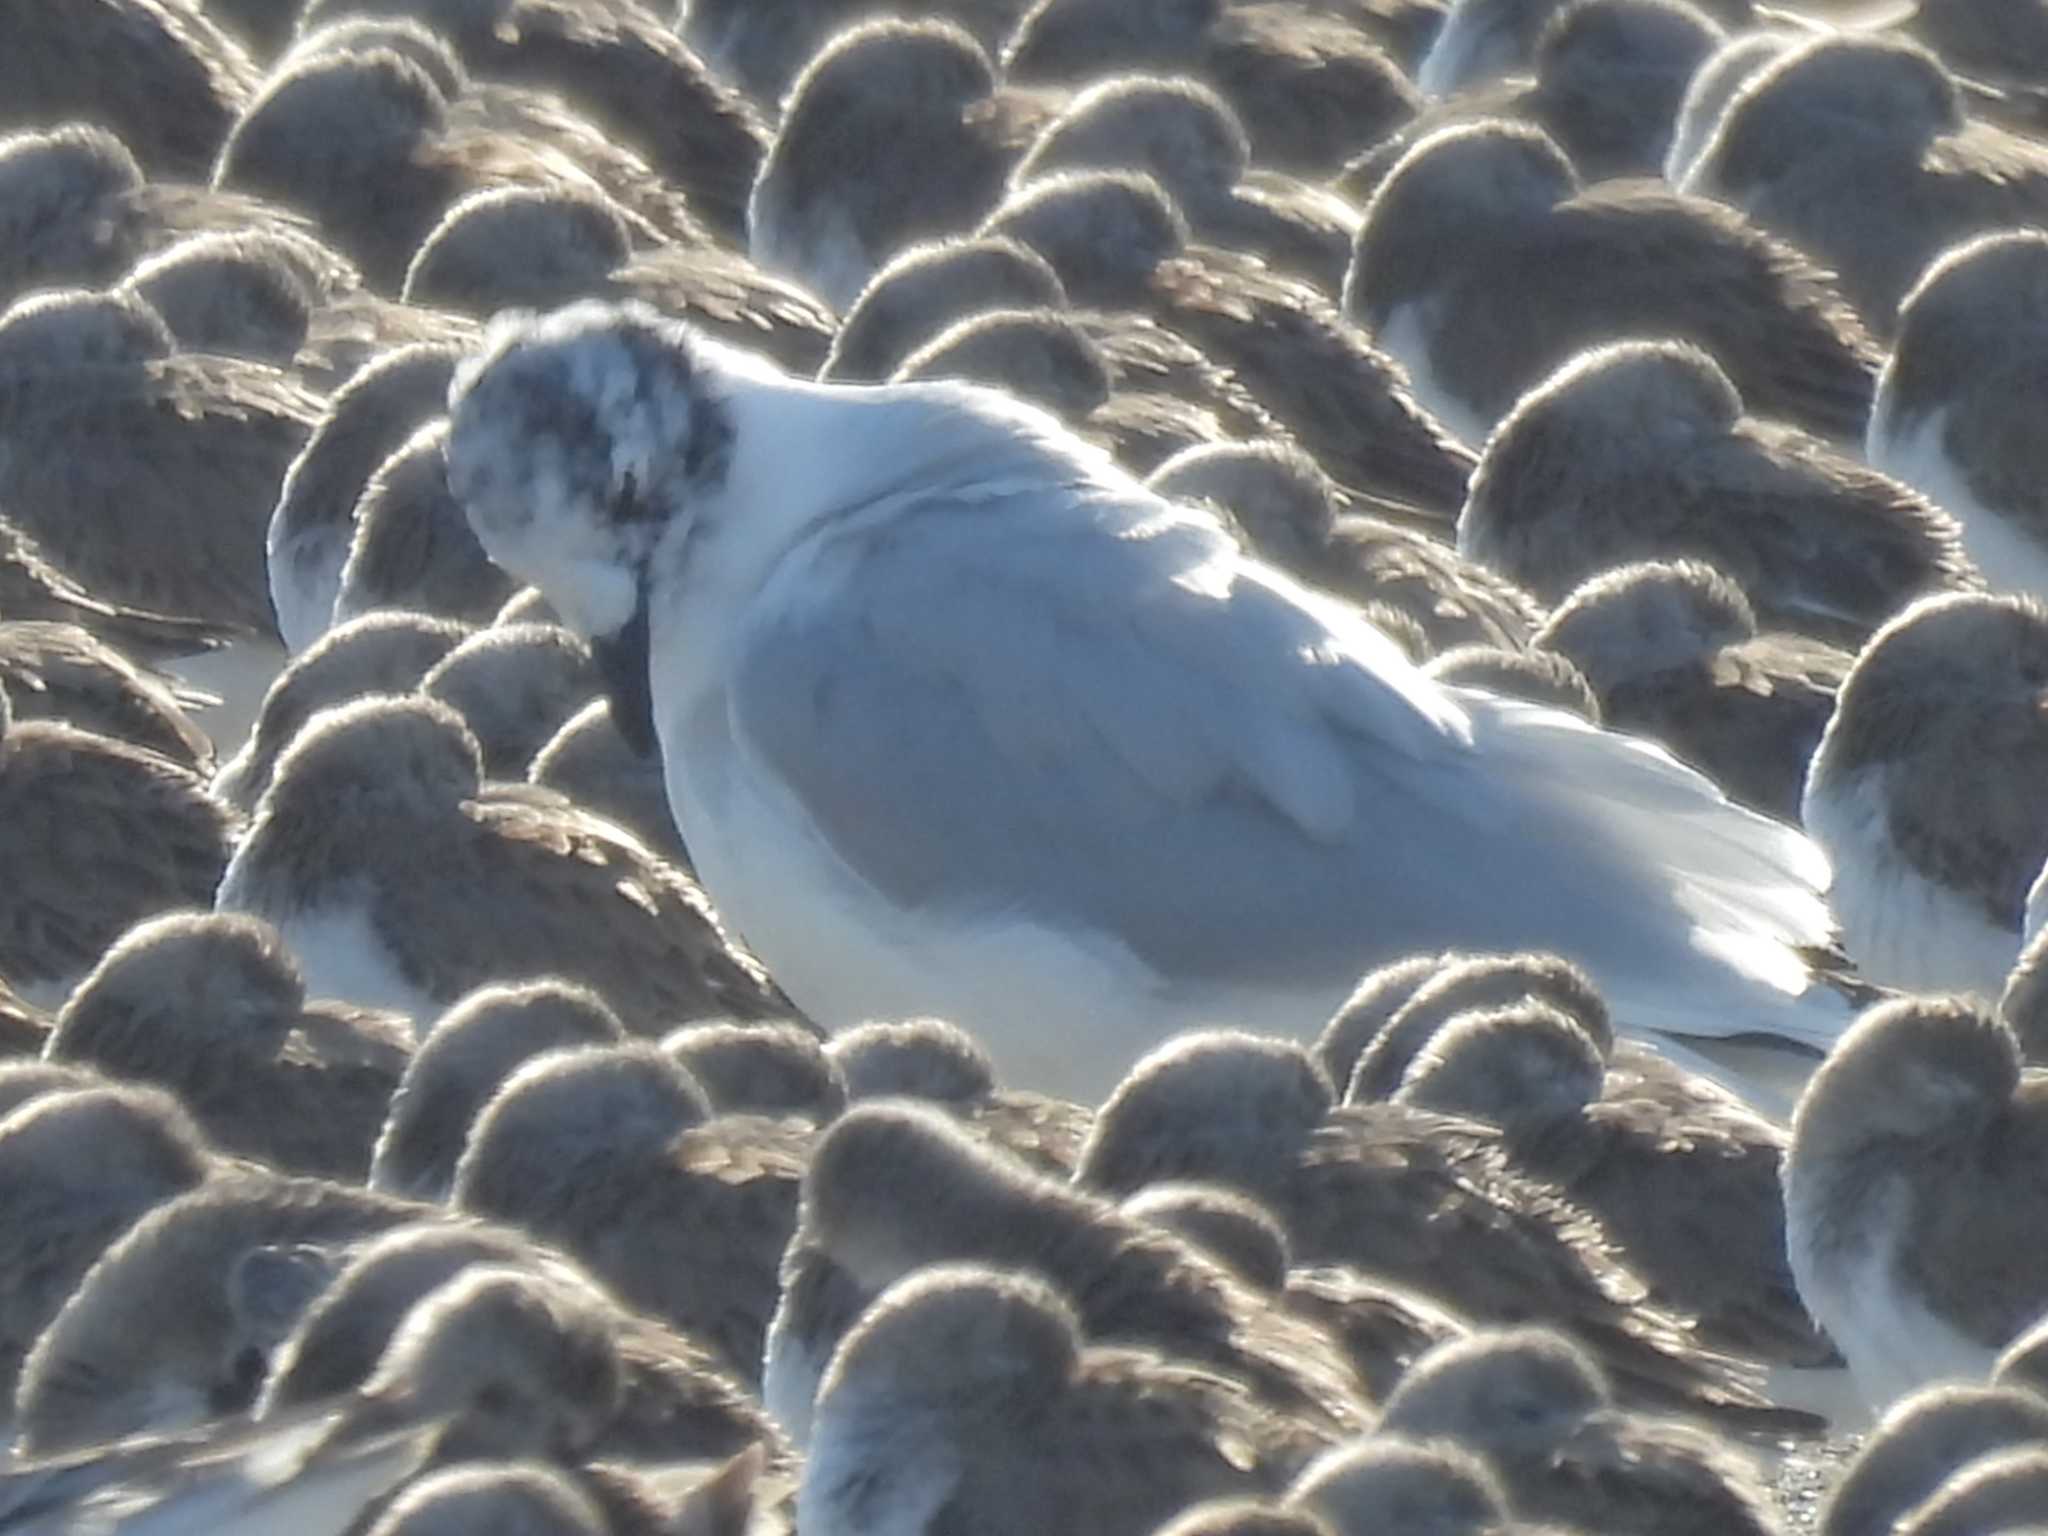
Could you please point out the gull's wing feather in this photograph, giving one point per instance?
(1073, 703)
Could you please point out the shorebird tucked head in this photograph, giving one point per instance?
(1832, 89)
(1486, 175)
(574, 441)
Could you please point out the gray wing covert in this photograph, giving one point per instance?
(1082, 707)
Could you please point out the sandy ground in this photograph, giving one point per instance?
(239, 674)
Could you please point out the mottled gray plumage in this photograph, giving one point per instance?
(1186, 136)
(1482, 41)
(1912, 1175)
(229, 291)
(1674, 653)
(514, 686)
(33, 589)
(1537, 1409)
(1858, 147)
(1359, 1019)
(895, 132)
(1606, 80)
(1541, 677)
(1244, 1517)
(539, 246)
(623, 68)
(78, 1168)
(1117, 241)
(157, 72)
(2004, 1491)
(1294, 515)
(1040, 356)
(1644, 451)
(213, 1009)
(59, 671)
(1919, 1442)
(378, 653)
(151, 1341)
(940, 1063)
(1924, 794)
(411, 547)
(581, 1147)
(1131, 1282)
(923, 289)
(1422, 1199)
(75, 208)
(460, 1064)
(1960, 393)
(760, 1068)
(1713, 85)
(528, 1499)
(523, 882)
(1311, 85)
(147, 477)
(969, 1393)
(1416, 1488)
(1693, 1199)
(366, 421)
(96, 835)
(1484, 264)
(2023, 1005)
(591, 762)
(366, 143)
(763, 47)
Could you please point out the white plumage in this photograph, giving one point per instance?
(958, 719)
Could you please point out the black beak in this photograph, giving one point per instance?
(626, 665)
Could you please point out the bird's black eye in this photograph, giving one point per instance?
(496, 1399)
(626, 505)
(245, 1380)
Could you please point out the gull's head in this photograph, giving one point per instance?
(576, 441)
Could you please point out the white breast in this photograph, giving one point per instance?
(1407, 335)
(1893, 1344)
(1901, 928)
(1063, 1012)
(335, 944)
(2010, 559)
(305, 578)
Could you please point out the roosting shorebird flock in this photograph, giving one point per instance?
(1000, 767)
